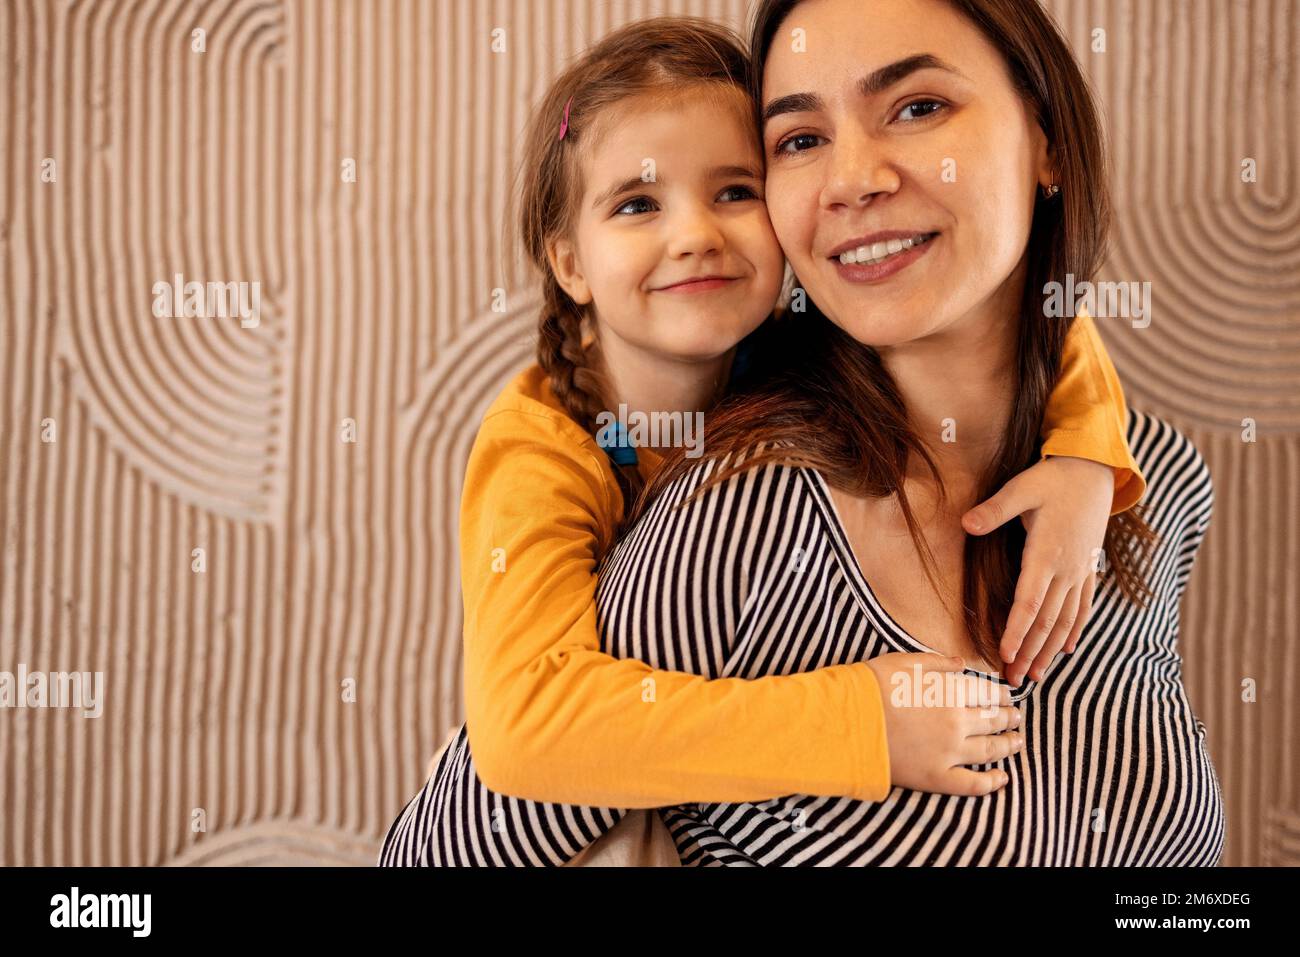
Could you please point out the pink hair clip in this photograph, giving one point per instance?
(564, 124)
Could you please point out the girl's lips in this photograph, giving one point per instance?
(866, 274)
(699, 285)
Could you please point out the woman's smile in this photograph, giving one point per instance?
(885, 257)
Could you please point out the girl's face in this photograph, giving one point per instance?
(901, 166)
(672, 243)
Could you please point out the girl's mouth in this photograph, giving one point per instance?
(703, 284)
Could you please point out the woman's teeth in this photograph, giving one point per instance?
(879, 252)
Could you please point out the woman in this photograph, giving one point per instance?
(966, 126)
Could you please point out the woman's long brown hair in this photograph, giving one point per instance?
(660, 57)
(819, 399)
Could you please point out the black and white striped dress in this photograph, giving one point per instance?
(756, 577)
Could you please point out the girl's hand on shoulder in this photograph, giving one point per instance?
(1065, 504)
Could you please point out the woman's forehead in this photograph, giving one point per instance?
(841, 41)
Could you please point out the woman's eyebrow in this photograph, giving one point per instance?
(791, 103)
(882, 79)
(874, 82)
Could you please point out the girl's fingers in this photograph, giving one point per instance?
(1060, 634)
(1031, 589)
(981, 694)
(990, 748)
(1037, 635)
(968, 783)
(932, 661)
(1001, 719)
(994, 512)
(1085, 612)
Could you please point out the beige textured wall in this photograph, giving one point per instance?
(330, 562)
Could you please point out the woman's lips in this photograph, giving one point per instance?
(875, 272)
(699, 285)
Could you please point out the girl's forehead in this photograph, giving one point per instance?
(720, 98)
(678, 116)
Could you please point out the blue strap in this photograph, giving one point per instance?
(620, 450)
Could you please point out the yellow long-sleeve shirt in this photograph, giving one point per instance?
(1086, 416)
(552, 718)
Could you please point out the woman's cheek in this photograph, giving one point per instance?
(1002, 223)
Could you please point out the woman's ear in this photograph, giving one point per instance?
(563, 258)
(1045, 162)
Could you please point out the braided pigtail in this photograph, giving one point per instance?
(574, 380)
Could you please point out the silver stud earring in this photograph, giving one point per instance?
(1050, 190)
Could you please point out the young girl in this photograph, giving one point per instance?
(642, 207)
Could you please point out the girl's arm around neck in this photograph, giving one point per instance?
(551, 717)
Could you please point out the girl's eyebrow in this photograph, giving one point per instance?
(875, 82)
(636, 182)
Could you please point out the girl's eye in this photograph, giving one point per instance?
(739, 193)
(801, 142)
(642, 204)
(921, 109)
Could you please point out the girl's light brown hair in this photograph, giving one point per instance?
(821, 400)
(660, 57)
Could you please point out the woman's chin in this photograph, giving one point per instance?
(881, 326)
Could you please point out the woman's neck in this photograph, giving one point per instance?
(959, 387)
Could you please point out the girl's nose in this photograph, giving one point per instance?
(694, 232)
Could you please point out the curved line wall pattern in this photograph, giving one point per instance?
(247, 521)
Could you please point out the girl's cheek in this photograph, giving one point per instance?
(791, 214)
(763, 237)
(776, 260)
(624, 260)
(780, 226)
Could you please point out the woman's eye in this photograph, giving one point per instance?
(920, 109)
(641, 204)
(799, 143)
(738, 193)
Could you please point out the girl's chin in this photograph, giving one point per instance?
(700, 353)
(703, 349)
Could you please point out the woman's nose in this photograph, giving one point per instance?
(859, 169)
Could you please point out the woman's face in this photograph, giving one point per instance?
(901, 166)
